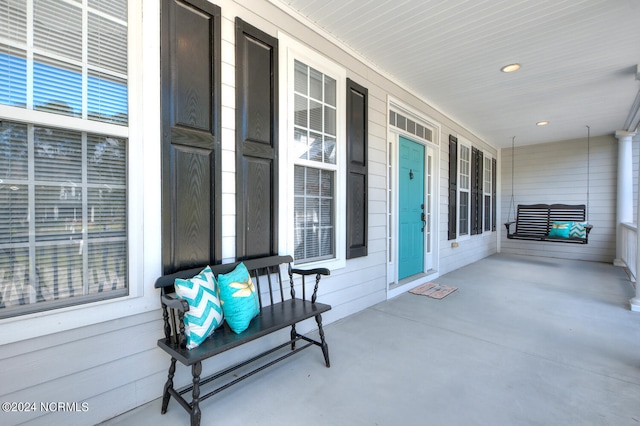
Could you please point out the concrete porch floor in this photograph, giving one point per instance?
(524, 341)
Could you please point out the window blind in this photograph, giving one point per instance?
(314, 178)
(63, 192)
(76, 64)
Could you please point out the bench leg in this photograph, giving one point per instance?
(196, 369)
(168, 385)
(294, 334)
(324, 346)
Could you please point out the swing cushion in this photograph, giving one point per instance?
(578, 230)
(560, 229)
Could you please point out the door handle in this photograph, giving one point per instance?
(424, 221)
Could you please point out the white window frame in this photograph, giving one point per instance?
(464, 144)
(291, 50)
(486, 190)
(143, 192)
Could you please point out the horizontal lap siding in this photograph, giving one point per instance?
(82, 365)
(557, 173)
(117, 366)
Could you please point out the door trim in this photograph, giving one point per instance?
(394, 287)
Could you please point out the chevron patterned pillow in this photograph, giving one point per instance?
(205, 313)
(578, 229)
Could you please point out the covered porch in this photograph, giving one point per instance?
(524, 340)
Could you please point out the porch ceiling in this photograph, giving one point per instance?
(579, 59)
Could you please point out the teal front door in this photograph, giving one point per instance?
(411, 206)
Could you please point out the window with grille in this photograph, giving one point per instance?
(63, 153)
(464, 184)
(488, 181)
(315, 164)
(400, 121)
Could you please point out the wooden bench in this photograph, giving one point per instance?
(279, 308)
(534, 221)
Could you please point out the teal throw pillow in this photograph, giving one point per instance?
(560, 229)
(205, 312)
(578, 230)
(239, 298)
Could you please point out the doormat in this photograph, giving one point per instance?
(433, 290)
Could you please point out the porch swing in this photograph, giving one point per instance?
(556, 223)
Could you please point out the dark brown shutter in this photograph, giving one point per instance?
(191, 191)
(480, 189)
(494, 183)
(476, 190)
(453, 187)
(357, 187)
(256, 142)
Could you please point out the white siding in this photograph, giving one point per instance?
(557, 173)
(115, 365)
(475, 247)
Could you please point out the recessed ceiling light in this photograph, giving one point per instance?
(510, 68)
(542, 123)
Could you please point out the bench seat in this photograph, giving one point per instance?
(280, 307)
(271, 318)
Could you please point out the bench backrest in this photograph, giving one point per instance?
(536, 219)
(265, 273)
(566, 213)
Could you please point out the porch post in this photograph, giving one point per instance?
(624, 210)
(635, 302)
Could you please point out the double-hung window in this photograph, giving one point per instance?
(464, 186)
(316, 93)
(315, 164)
(488, 185)
(63, 153)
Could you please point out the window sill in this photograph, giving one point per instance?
(331, 264)
(40, 324)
